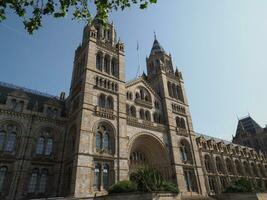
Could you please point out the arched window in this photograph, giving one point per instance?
(170, 89)
(147, 116)
(40, 146)
(2, 139)
(107, 64)
(98, 140)
(178, 121)
(43, 181)
(10, 143)
(3, 172)
(106, 176)
(110, 102)
(247, 169)
(102, 101)
(137, 95)
(19, 106)
(106, 141)
(33, 181)
(229, 166)
(183, 125)
(219, 165)
(99, 61)
(142, 94)
(174, 91)
(97, 176)
(208, 164)
(142, 113)
(114, 67)
(180, 93)
(105, 138)
(185, 151)
(133, 111)
(239, 168)
(49, 147)
(255, 170)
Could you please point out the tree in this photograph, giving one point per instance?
(32, 11)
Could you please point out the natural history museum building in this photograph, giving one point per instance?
(80, 145)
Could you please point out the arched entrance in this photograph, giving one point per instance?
(147, 150)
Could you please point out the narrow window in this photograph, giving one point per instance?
(106, 141)
(40, 146)
(43, 180)
(98, 140)
(106, 176)
(97, 176)
(2, 140)
(10, 144)
(3, 171)
(49, 147)
(33, 181)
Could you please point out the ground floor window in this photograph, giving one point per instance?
(190, 180)
(38, 181)
(212, 183)
(103, 175)
(223, 182)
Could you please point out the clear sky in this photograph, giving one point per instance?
(220, 46)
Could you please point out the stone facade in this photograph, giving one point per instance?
(76, 147)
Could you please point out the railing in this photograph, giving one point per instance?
(141, 102)
(182, 131)
(104, 112)
(133, 121)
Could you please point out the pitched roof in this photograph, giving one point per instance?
(156, 48)
(248, 125)
(35, 98)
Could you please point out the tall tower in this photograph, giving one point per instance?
(96, 107)
(169, 84)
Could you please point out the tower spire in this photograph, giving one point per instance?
(155, 36)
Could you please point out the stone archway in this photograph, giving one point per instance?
(147, 150)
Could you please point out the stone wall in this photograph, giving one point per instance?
(242, 196)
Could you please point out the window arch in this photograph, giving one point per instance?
(43, 181)
(97, 176)
(230, 166)
(102, 101)
(254, 169)
(133, 111)
(110, 102)
(33, 181)
(239, 168)
(170, 89)
(174, 91)
(99, 61)
(104, 139)
(185, 151)
(114, 67)
(142, 113)
(147, 115)
(219, 165)
(3, 173)
(8, 137)
(180, 122)
(40, 146)
(107, 64)
(44, 143)
(208, 164)
(49, 147)
(247, 168)
(106, 176)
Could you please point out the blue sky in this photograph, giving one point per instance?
(220, 46)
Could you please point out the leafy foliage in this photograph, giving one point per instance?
(122, 187)
(150, 180)
(242, 185)
(32, 11)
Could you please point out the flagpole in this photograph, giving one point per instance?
(139, 66)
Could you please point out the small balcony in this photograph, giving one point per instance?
(144, 103)
(182, 131)
(104, 112)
